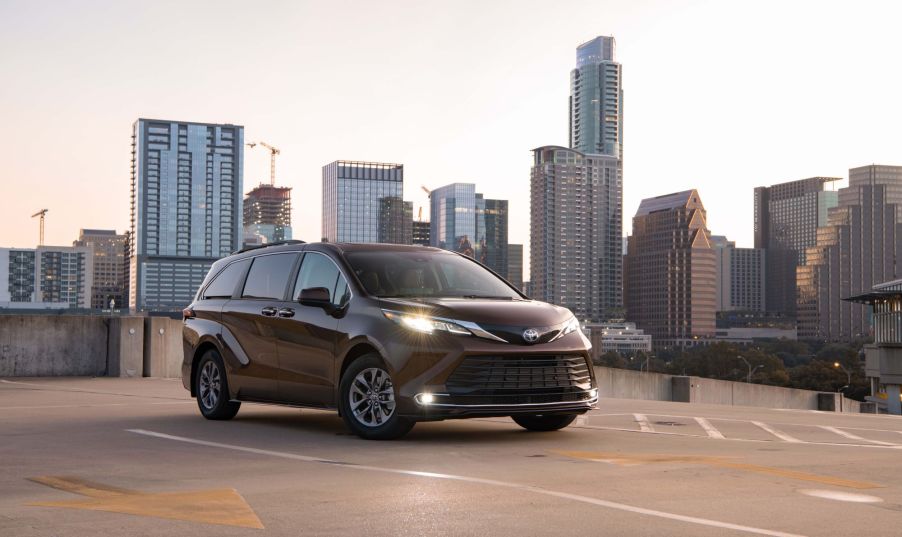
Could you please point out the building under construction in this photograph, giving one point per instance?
(267, 213)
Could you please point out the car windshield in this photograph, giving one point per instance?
(426, 274)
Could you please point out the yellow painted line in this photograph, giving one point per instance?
(632, 459)
(224, 507)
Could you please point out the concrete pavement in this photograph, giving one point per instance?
(107, 456)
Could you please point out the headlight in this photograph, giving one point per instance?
(571, 326)
(426, 325)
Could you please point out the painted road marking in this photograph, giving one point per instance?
(842, 496)
(632, 459)
(710, 429)
(224, 507)
(644, 426)
(851, 436)
(477, 480)
(779, 434)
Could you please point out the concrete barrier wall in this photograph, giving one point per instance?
(39, 345)
(628, 384)
(163, 353)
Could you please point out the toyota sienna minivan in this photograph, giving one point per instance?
(387, 335)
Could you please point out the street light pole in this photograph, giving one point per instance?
(749, 378)
(846, 371)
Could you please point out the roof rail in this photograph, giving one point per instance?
(257, 247)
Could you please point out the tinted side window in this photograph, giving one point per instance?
(342, 292)
(317, 270)
(268, 276)
(224, 284)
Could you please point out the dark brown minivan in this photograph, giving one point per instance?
(386, 334)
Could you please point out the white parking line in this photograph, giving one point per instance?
(851, 436)
(710, 429)
(644, 426)
(476, 480)
(779, 434)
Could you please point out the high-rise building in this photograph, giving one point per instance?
(110, 266)
(493, 252)
(670, 277)
(596, 100)
(859, 247)
(48, 276)
(421, 233)
(395, 221)
(457, 218)
(740, 276)
(787, 216)
(186, 207)
(353, 194)
(267, 213)
(576, 232)
(515, 265)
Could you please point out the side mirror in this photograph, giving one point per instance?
(316, 297)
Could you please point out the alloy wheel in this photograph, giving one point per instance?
(372, 397)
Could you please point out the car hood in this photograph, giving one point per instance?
(506, 319)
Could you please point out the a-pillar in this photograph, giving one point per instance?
(893, 405)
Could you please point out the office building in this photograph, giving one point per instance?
(46, 277)
(596, 100)
(457, 218)
(493, 252)
(787, 216)
(267, 213)
(858, 248)
(110, 266)
(740, 276)
(576, 232)
(186, 207)
(620, 337)
(421, 233)
(671, 275)
(395, 221)
(515, 265)
(353, 194)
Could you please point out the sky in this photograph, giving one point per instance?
(720, 96)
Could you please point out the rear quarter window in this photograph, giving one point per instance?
(225, 283)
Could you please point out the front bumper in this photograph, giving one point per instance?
(439, 406)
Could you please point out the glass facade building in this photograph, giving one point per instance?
(493, 252)
(463, 221)
(353, 201)
(186, 207)
(596, 99)
(515, 265)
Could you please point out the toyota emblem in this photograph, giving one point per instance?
(530, 335)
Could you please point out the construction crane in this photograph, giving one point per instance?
(420, 214)
(41, 213)
(426, 190)
(272, 159)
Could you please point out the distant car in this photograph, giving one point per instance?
(386, 334)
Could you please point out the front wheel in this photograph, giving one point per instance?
(539, 422)
(212, 389)
(367, 401)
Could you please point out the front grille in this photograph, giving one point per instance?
(520, 379)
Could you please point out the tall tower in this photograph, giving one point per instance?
(186, 207)
(596, 100)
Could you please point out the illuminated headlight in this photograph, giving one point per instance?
(426, 325)
(571, 326)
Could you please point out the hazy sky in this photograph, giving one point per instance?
(719, 96)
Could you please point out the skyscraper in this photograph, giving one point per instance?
(457, 218)
(186, 207)
(493, 252)
(515, 265)
(859, 247)
(740, 276)
(267, 213)
(670, 271)
(596, 100)
(575, 232)
(354, 209)
(395, 221)
(787, 216)
(110, 261)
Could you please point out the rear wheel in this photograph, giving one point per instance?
(538, 422)
(367, 401)
(212, 389)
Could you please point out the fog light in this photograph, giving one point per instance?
(425, 398)
(593, 393)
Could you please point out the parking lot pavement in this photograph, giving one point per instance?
(133, 457)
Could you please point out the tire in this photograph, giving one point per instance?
(211, 386)
(538, 422)
(367, 401)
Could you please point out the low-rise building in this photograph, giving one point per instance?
(47, 275)
(620, 337)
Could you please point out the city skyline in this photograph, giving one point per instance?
(89, 153)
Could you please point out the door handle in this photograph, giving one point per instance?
(286, 312)
(269, 311)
